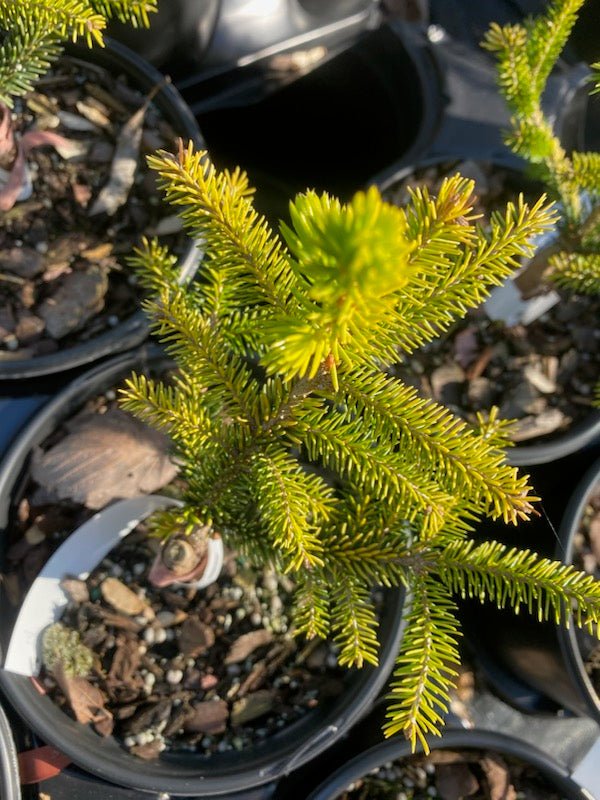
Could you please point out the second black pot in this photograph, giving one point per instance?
(558, 777)
(221, 775)
(9, 768)
(543, 657)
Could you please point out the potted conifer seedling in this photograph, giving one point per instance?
(532, 349)
(299, 449)
(75, 194)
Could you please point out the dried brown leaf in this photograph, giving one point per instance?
(86, 701)
(103, 458)
(124, 164)
(195, 637)
(125, 662)
(208, 717)
(498, 777)
(122, 598)
(455, 781)
(247, 644)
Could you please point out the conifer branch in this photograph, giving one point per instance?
(312, 616)
(579, 272)
(290, 500)
(35, 30)
(348, 449)
(218, 210)
(513, 578)
(425, 667)
(134, 12)
(354, 625)
(439, 295)
(463, 462)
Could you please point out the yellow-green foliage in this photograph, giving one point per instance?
(301, 447)
(526, 55)
(34, 31)
(63, 646)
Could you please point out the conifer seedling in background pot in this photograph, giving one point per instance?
(526, 55)
(300, 448)
(532, 348)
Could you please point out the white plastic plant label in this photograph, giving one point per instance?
(78, 556)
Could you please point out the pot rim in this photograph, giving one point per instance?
(231, 772)
(475, 739)
(10, 783)
(577, 436)
(133, 330)
(567, 637)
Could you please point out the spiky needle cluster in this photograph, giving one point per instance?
(300, 446)
(33, 32)
(526, 55)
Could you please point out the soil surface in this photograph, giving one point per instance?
(63, 276)
(206, 670)
(453, 775)
(542, 374)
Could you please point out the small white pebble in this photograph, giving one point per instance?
(129, 741)
(165, 618)
(160, 635)
(143, 649)
(138, 568)
(113, 320)
(150, 679)
(240, 613)
(170, 634)
(42, 247)
(116, 570)
(256, 619)
(227, 622)
(11, 342)
(110, 394)
(174, 676)
(149, 635)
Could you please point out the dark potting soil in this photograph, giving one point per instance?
(542, 374)
(586, 556)
(206, 670)
(63, 276)
(201, 670)
(452, 775)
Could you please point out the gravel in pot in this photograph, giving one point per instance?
(66, 294)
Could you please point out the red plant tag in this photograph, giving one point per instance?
(40, 764)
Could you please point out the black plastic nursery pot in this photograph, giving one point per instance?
(578, 435)
(333, 128)
(130, 332)
(224, 774)
(534, 665)
(396, 749)
(547, 657)
(9, 767)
